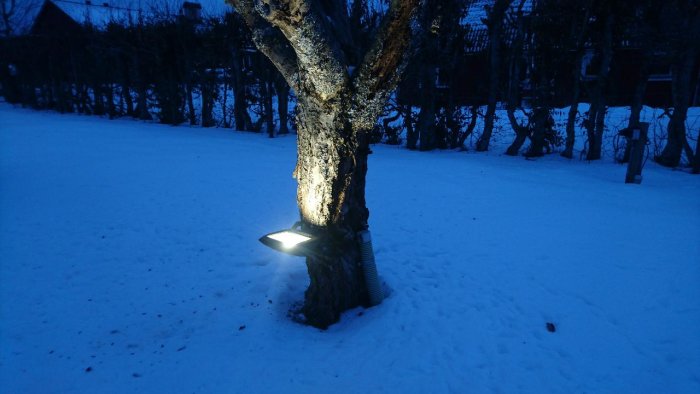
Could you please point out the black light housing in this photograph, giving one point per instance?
(292, 241)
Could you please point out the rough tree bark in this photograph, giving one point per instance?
(335, 113)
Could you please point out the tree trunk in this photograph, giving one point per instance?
(474, 110)
(580, 29)
(495, 28)
(637, 102)
(335, 111)
(425, 126)
(142, 104)
(209, 86)
(336, 281)
(98, 107)
(521, 133)
(573, 109)
(282, 90)
(126, 86)
(240, 106)
(453, 125)
(482, 144)
(571, 128)
(128, 101)
(141, 77)
(596, 116)
(111, 110)
(224, 104)
(599, 129)
(391, 133)
(682, 75)
(540, 120)
(190, 103)
(326, 152)
(411, 133)
(267, 105)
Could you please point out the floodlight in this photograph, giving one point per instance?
(292, 241)
(299, 243)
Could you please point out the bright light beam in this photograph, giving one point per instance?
(289, 239)
(292, 241)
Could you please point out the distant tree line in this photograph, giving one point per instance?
(528, 56)
(169, 69)
(534, 56)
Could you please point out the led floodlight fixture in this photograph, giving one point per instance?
(292, 241)
(288, 238)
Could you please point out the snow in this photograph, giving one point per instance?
(129, 263)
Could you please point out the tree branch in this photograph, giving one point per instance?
(321, 62)
(385, 61)
(270, 41)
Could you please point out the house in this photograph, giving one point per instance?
(61, 16)
(51, 19)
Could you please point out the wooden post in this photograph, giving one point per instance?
(636, 140)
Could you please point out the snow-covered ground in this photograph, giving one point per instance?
(129, 263)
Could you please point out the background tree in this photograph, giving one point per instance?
(14, 15)
(610, 19)
(336, 111)
(515, 76)
(494, 23)
(439, 120)
(576, 15)
(681, 26)
(427, 74)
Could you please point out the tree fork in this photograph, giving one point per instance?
(335, 110)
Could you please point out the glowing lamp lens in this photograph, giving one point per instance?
(289, 239)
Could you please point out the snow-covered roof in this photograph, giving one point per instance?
(101, 12)
(477, 38)
(95, 12)
(476, 12)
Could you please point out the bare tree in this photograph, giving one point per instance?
(522, 132)
(14, 15)
(336, 111)
(577, 39)
(496, 15)
(595, 123)
(682, 27)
